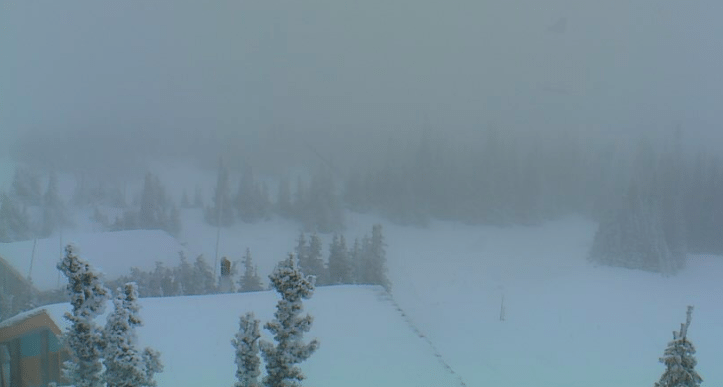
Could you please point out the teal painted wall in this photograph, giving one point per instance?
(31, 345)
(54, 345)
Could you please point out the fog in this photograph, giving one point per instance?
(116, 79)
(509, 182)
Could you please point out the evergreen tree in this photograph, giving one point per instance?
(153, 214)
(83, 337)
(312, 263)
(288, 327)
(356, 262)
(250, 282)
(125, 364)
(264, 200)
(155, 211)
(679, 360)
(221, 214)
(26, 187)
(23, 299)
(641, 233)
(634, 237)
(340, 271)
(198, 198)
(354, 193)
(54, 213)
(374, 259)
(299, 204)
(184, 275)
(14, 222)
(246, 343)
(323, 210)
(252, 199)
(670, 186)
(185, 202)
(246, 202)
(203, 277)
(283, 201)
(163, 282)
(153, 365)
(302, 249)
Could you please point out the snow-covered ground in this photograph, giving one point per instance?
(567, 322)
(364, 341)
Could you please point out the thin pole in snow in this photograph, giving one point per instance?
(60, 252)
(502, 309)
(32, 258)
(219, 208)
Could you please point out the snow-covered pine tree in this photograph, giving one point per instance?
(252, 198)
(14, 222)
(185, 202)
(323, 210)
(679, 359)
(633, 235)
(312, 262)
(283, 200)
(246, 343)
(245, 200)
(54, 213)
(299, 206)
(152, 214)
(83, 337)
(152, 362)
(374, 259)
(250, 282)
(22, 298)
(203, 277)
(302, 253)
(165, 280)
(221, 214)
(125, 364)
(347, 274)
(26, 187)
(339, 268)
(264, 200)
(356, 262)
(288, 327)
(183, 274)
(301, 249)
(671, 185)
(198, 198)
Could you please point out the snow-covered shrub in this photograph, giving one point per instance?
(288, 327)
(125, 365)
(247, 351)
(84, 339)
(679, 360)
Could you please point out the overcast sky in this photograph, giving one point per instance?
(273, 72)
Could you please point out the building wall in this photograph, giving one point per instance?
(36, 353)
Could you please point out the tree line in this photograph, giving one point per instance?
(363, 263)
(654, 202)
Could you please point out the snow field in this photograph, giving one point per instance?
(364, 340)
